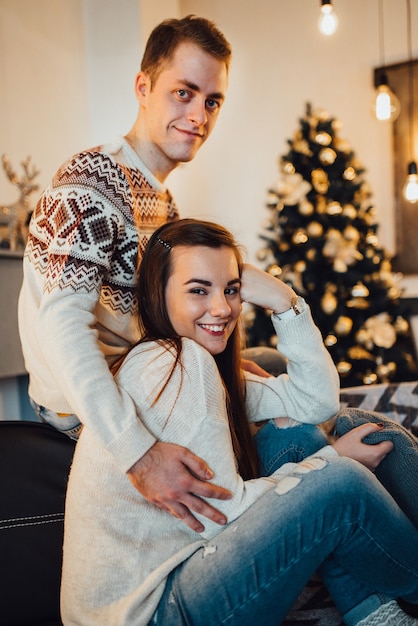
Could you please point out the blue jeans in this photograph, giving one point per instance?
(277, 446)
(335, 517)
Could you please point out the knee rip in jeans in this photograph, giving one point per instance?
(289, 482)
(207, 550)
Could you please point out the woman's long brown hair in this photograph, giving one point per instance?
(155, 325)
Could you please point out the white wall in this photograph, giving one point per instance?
(280, 62)
(67, 69)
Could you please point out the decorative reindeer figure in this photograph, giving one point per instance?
(16, 215)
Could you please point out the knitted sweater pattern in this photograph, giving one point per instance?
(87, 235)
(91, 226)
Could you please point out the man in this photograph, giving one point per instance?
(86, 237)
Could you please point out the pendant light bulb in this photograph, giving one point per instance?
(328, 21)
(386, 106)
(410, 190)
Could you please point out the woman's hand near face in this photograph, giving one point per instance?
(262, 289)
(370, 455)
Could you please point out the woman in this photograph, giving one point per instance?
(128, 562)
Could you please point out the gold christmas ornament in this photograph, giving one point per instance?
(360, 290)
(383, 372)
(343, 368)
(392, 367)
(394, 292)
(321, 204)
(299, 237)
(322, 115)
(343, 325)
(349, 173)
(287, 167)
(323, 138)
(349, 211)
(334, 208)
(275, 270)
(320, 180)
(357, 353)
(401, 325)
(336, 125)
(381, 330)
(305, 207)
(315, 229)
(363, 338)
(311, 254)
(327, 156)
(302, 146)
(292, 188)
(351, 233)
(300, 266)
(371, 238)
(358, 303)
(330, 340)
(342, 145)
(370, 378)
(329, 303)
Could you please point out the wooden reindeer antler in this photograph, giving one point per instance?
(16, 215)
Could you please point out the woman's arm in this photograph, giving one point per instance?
(190, 412)
(309, 391)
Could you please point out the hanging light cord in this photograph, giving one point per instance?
(381, 35)
(411, 81)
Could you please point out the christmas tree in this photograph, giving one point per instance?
(321, 238)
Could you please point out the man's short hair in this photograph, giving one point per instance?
(165, 38)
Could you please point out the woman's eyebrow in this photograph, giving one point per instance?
(208, 283)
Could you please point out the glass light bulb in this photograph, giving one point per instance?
(410, 190)
(386, 106)
(328, 21)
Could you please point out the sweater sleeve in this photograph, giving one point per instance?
(83, 246)
(309, 391)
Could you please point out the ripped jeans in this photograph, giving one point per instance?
(332, 516)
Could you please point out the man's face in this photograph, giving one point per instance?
(180, 110)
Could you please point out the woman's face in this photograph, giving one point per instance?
(203, 295)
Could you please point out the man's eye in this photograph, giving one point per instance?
(182, 93)
(212, 104)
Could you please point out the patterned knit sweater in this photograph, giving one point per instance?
(87, 233)
(118, 547)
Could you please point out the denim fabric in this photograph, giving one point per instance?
(253, 571)
(69, 424)
(277, 446)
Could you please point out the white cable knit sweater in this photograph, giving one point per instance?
(87, 232)
(119, 548)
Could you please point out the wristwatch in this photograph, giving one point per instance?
(296, 308)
